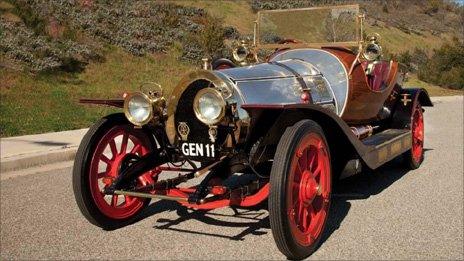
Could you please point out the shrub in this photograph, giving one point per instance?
(446, 66)
(139, 27)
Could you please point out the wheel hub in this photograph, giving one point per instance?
(309, 188)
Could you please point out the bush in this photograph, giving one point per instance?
(446, 66)
(40, 53)
(139, 27)
(413, 60)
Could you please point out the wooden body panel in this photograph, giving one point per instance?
(363, 104)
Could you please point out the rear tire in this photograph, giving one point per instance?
(98, 162)
(299, 198)
(413, 158)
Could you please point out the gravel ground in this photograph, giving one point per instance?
(389, 214)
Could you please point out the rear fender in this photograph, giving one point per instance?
(408, 100)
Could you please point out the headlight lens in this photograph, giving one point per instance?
(372, 52)
(138, 108)
(240, 53)
(209, 106)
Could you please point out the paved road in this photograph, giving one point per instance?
(388, 214)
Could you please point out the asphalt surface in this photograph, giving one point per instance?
(389, 214)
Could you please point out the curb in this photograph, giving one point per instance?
(37, 159)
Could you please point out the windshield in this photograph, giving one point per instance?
(336, 25)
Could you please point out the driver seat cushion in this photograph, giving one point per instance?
(377, 78)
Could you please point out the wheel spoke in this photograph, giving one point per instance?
(137, 149)
(125, 139)
(101, 175)
(314, 157)
(300, 169)
(300, 214)
(311, 211)
(105, 159)
(128, 200)
(114, 150)
(317, 172)
(114, 200)
(302, 162)
(305, 219)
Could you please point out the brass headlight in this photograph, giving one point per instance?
(138, 108)
(209, 106)
(372, 50)
(241, 52)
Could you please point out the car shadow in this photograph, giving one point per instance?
(255, 221)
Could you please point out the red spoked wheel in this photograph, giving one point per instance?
(111, 145)
(108, 161)
(300, 185)
(415, 156)
(310, 189)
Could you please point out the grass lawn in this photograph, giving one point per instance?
(49, 102)
(433, 90)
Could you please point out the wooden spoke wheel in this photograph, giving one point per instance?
(109, 146)
(300, 193)
(414, 157)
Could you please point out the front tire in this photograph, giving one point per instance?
(300, 191)
(102, 153)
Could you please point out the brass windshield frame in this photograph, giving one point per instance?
(357, 43)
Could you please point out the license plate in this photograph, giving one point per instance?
(198, 149)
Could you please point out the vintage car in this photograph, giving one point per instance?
(279, 124)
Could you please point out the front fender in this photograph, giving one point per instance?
(119, 103)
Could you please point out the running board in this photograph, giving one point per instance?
(387, 145)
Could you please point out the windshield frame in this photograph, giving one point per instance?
(357, 43)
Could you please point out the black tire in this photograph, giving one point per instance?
(409, 160)
(279, 219)
(81, 182)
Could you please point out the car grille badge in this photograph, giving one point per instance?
(183, 130)
(212, 133)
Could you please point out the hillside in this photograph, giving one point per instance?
(54, 52)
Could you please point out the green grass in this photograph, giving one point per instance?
(235, 13)
(49, 102)
(433, 90)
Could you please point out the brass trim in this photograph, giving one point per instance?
(126, 108)
(396, 147)
(183, 130)
(307, 45)
(183, 84)
(310, 8)
(235, 54)
(382, 154)
(359, 28)
(196, 107)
